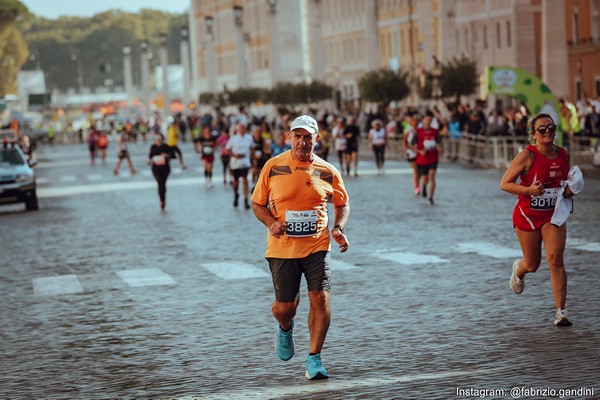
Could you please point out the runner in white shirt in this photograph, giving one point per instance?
(239, 147)
(378, 141)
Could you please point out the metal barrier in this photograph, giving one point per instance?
(497, 152)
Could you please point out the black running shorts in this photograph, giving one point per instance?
(424, 169)
(240, 173)
(287, 274)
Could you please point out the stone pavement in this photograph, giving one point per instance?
(106, 297)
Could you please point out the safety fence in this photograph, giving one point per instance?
(497, 152)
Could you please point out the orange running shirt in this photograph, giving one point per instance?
(297, 193)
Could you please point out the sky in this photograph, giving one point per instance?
(53, 9)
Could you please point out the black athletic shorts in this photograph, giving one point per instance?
(287, 274)
(424, 169)
(240, 173)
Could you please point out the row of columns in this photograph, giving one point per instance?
(240, 43)
(145, 57)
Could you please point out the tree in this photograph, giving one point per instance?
(244, 96)
(61, 44)
(318, 91)
(459, 78)
(299, 93)
(384, 86)
(13, 48)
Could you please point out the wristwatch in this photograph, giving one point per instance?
(339, 227)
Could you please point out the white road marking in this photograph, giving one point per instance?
(56, 285)
(146, 277)
(43, 180)
(408, 258)
(78, 162)
(583, 245)
(341, 265)
(235, 270)
(110, 187)
(305, 389)
(95, 177)
(75, 190)
(67, 178)
(177, 171)
(391, 171)
(489, 250)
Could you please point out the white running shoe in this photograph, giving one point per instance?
(517, 285)
(561, 318)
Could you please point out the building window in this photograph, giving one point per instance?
(466, 39)
(575, 26)
(457, 40)
(508, 36)
(578, 89)
(597, 87)
(595, 21)
(498, 35)
(402, 43)
(485, 38)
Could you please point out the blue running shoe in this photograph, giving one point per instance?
(314, 368)
(285, 343)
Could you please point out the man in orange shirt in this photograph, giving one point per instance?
(290, 199)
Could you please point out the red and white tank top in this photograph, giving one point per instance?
(427, 140)
(550, 172)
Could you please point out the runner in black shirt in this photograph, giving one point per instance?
(206, 147)
(352, 134)
(158, 158)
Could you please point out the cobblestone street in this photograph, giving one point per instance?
(106, 297)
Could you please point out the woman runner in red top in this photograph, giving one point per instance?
(540, 169)
(426, 143)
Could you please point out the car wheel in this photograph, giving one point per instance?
(31, 204)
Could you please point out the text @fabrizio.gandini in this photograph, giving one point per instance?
(521, 392)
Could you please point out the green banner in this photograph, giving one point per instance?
(526, 87)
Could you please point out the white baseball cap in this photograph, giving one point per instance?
(305, 122)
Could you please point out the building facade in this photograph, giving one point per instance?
(234, 43)
(258, 43)
(583, 41)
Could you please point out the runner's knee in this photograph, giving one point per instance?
(530, 265)
(319, 299)
(555, 260)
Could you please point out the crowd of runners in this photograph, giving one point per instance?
(288, 168)
(241, 143)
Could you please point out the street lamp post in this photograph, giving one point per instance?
(145, 77)
(35, 57)
(436, 74)
(127, 74)
(273, 39)
(241, 60)
(76, 58)
(185, 61)
(210, 55)
(164, 63)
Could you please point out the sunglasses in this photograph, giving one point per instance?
(543, 129)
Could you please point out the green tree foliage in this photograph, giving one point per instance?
(459, 78)
(318, 91)
(59, 45)
(383, 86)
(299, 93)
(244, 96)
(13, 48)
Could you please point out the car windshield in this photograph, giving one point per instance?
(10, 157)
